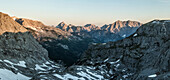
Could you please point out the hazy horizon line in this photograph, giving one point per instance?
(101, 24)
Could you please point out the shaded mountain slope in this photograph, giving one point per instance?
(143, 56)
(55, 40)
(23, 58)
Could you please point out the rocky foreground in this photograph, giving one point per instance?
(145, 55)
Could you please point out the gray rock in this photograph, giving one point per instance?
(144, 53)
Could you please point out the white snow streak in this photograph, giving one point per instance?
(9, 75)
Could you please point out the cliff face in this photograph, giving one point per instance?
(12, 27)
(21, 47)
(143, 56)
(16, 40)
(18, 47)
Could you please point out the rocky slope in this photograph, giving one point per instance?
(16, 41)
(13, 26)
(42, 32)
(23, 58)
(18, 46)
(60, 44)
(123, 28)
(143, 56)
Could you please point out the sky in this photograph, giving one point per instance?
(81, 12)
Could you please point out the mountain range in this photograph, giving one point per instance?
(66, 43)
(31, 50)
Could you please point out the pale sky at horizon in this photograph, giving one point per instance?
(81, 12)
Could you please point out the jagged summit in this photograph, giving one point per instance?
(62, 24)
(123, 28)
(90, 25)
(7, 24)
(120, 24)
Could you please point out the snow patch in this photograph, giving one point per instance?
(9, 75)
(21, 63)
(85, 75)
(106, 60)
(69, 76)
(44, 65)
(33, 28)
(7, 61)
(37, 67)
(96, 75)
(135, 35)
(115, 61)
(47, 62)
(103, 43)
(153, 75)
(124, 35)
(14, 19)
(155, 22)
(94, 43)
(58, 76)
(63, 46)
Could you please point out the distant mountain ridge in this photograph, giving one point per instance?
(122, 28)
(67, 42)
(72, 28)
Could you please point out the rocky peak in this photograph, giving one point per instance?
(123, 28)
(90, 27)
(7, 24)
(120, 24)
(63, 26)
(155, 27)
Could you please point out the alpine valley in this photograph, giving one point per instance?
(122, 50)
